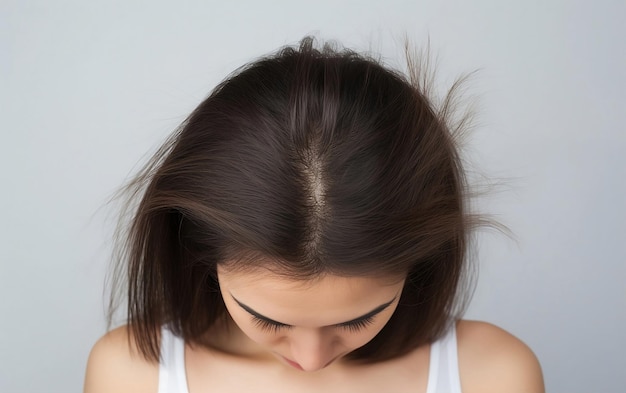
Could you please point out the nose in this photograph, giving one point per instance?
(312, 350)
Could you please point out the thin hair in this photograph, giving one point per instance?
(321, 161)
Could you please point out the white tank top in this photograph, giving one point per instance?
(443, 373)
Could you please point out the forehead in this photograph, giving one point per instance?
(325, 300)
(269, 279)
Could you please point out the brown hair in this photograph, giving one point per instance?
(320, 160)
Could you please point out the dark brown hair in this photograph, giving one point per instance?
(320, 160)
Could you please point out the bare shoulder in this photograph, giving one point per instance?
(493, 360)
(116, 366)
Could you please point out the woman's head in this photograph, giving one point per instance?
(308, 165)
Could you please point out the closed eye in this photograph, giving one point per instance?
(357, 325)
(270, 326)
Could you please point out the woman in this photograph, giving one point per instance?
(305, 230)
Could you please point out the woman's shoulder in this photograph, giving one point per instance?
(493, 360)
(116, 365)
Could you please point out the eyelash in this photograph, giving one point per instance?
(352, 327)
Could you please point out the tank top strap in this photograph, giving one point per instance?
(172, 376)
(443, 373)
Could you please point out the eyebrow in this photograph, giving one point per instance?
(365, 316)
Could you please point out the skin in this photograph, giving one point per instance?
(321, 316)
(307, 355)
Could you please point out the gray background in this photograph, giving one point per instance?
(87, 88)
